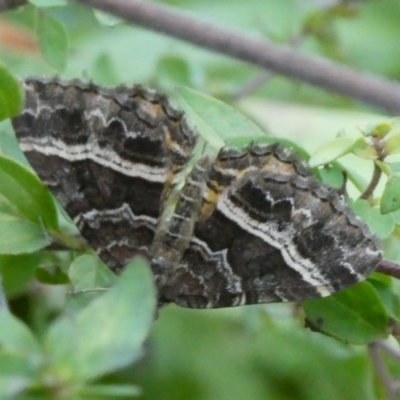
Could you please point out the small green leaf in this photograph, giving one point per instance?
(394, 167)
(53, 275)
(333, 150)
(19, 236)
(332, 175)
(390, 200)
(88, 272)
(365, 150)
(173, 70)
(107, 19)
(396, 216)
(27, 193)
(53, 41)
(11, 99)
(104, 71)
(384, 167)
(48, 3)
(356, 315)
(388, 296)
(216, 122)
(392, 144)
(109, 333)
(90, 278)
(380, 130)
(18, 271)
(15, 337)
(381, 225)
(16, 376)
(110, 391)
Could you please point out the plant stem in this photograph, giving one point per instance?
(389, 268)
(280, 59)
(376, 176)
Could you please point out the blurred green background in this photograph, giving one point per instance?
(254, 352)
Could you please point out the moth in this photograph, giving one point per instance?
(248, 226)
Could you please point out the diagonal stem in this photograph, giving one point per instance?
(376, 176)
(280, 59)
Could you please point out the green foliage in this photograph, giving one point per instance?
(81, 345)
(53, 41)
(216, 121)
(333, 150)
(103, 336)
(27, 194)
(10, 95)
(355, 315)
(19, 236)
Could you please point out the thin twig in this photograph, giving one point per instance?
(390, 385)
(376, 176)
(281, 59)
(389, 268)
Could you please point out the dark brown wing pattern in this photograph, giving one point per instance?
(251, 226)
(108, 156)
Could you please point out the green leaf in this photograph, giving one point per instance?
(27, 193)
(53, 41)
(216, 122)
(173, 70)
(389, 298)
(11, 99)
(109, 333)
(16, 375)
(384, 167)
(333, 150)
(15, 337)
(107, 19)
(48, 3)
(19, 236)
(365, 150)
(18, 271)
(88, 272)
(90, 278)
(52, 275)
(392, 144)
(104, 71)
(380, 130)
(394, 167)
(381, 225)
(390, 200)
(332, 175)
(110, 391)
(356, 315)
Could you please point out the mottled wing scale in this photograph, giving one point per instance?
(270, 233)
(109, 156)
(252, 226)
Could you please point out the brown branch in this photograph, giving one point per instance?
(389, 268)
(281, 59)
(376, 176)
